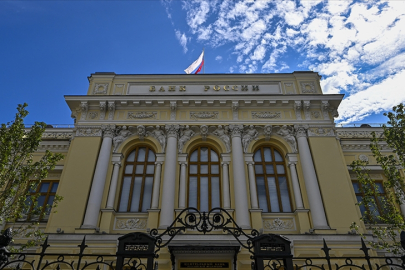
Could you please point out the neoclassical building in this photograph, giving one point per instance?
(264, 147)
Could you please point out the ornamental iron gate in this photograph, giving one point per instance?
(138, 251)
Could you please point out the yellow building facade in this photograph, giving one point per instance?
(264, 147)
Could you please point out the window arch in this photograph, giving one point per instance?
(137, 182)
(271, 180)
(204, 188)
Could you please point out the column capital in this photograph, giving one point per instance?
(250, 163)
(172, 131)
(108, 131)
(292, 163)
(236, 130)
(158, 162)
(225, 163)
(183, 162)
(301, 130)
(117, 163)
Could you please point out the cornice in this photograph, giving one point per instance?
(205, 77)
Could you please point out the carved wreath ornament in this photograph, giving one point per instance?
(278, 224)
(130, 224)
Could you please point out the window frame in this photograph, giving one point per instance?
(209, 163)
(43, 216)
(133, 174)
(276, 175)
(380, 208)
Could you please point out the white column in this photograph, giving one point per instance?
(169, 181)
(113, 185)
(156, 185)
(239, 178)
(292, 162)
(311, 181)
(100, 175)
(225, 185)
(182, 191)
(252, 185)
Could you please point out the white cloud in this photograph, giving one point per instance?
(218, 58)
(357, 46)
(197, 15)
(375, 99)
(182, 39)
(259, 53)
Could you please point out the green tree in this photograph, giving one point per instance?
(381, 214)
(20, 174)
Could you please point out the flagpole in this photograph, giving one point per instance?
(204, 61)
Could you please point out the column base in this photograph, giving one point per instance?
(86, 230)
(325, 231)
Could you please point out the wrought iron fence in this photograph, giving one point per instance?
(138, 251)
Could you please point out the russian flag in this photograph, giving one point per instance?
(196, 66)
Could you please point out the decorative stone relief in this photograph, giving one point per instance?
(108, 130)
(307, 107)
(321, 131)
(159, 135)
(121, 134)
(315, 114)
(172, 130)
(130, 224)
(185, 135)
(84, 107)
(358, 134)
(75, 113)
(100, 88)
(235, 110)
(267, 131)
(173, 107)
(363, 157)
(325, 109)
(223, 134)
(204, 132)
(308, 87)
(236, 130)
(141, 115)
(203, 115)
(88, 132)
(301, 130)
(111, 110)
(103, 108)
(249, 135)
(298, 109)
(57, 135)
(141, 131)
(266, 115)
(93, 115)
(288, 134)
(333, 112)
(278, 224)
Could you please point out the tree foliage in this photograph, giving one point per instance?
(21, 173)
(387, 223)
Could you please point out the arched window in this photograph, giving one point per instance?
(203, 179)
(137, 183)
(271, 181)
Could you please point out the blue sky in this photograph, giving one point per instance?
(48, 48)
